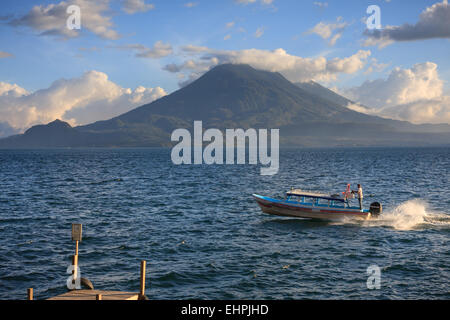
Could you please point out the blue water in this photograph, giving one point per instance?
(204, 237)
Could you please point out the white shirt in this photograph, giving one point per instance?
(360, 193)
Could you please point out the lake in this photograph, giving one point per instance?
(204, 237)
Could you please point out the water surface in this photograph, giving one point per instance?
(204, 237)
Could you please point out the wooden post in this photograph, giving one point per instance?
(142, 289)
(75, 268)
(30, 293)
(76, 247)
(98, 297)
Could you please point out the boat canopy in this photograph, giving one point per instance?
(301, 193)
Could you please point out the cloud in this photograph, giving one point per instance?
(159, 50)
(230, 24)
(227, 37)
(52, 19)
(89, 49)
(194, 68)
(433, 23)
(11, 90)
(402, 86)
(414, 94)
(191, 4)
(6, 130)
(194, 49)
(359, 108)
(81, 100)
(294, 68)
(347, 65)
(332, 31)
(4, 54)
(135, 6)
(259, 32)
(321, 4)
(422, 111)
(6, 17)
(375, 66)
(246, 2)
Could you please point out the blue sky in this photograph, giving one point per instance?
(225, 29)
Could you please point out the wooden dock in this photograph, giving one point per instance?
(91, 294)
(97, 295)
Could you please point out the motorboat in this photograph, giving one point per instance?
(304, 204)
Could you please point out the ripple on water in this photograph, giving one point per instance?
(204, 237)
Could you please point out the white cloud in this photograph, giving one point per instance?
(230, 24)
(348, 65)
(332, 31)
(359, 108)
(423, 111)
(414, 95)
(375, 66)
(135, 6)
(321, 4)
(402, 86)
(294, 68)
(246, 2)
(433, 23)
(259, 32)
(159, 50)
(194, 49)
(82, 100)
(51, 19)
(11, 90)
(4, 54)
(227, 37)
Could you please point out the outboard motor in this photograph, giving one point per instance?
(376, 209)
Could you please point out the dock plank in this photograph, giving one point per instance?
(91, 295)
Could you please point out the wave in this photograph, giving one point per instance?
(409, 215)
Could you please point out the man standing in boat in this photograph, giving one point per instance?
(360, 196)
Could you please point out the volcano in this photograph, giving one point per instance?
(239, 96)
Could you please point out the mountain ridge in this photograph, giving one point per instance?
(238, 96)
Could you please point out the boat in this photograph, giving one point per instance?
(312, 205)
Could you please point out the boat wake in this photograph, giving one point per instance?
(410, 215)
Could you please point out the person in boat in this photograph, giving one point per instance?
(359, 192)
(348, 194)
